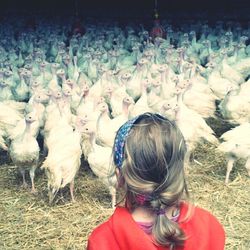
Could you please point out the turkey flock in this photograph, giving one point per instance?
(75, 90)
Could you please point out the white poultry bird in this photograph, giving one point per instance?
(168, 108)
(83, 79)
(37, 103)
(167, 81)
(236, 105)
(63, 160)
(85, 102)
(21, 91)
(154, 95)
(53, 83)
(236, 145)
(141, 106)
(35, 85)
(229, 72)
(118, 93)
(10, 114)
(5, 91)
(77, 93)
(107, 127)
(199, 82)
(24, 150)
(88, 104)
(243, 67)
(21, 126)
(95, 89)
(133, 86)
(17, 106)
(218, 84)
(52, 114)
(92, 70)
(204, 103)
(100, 161)
(192, 125)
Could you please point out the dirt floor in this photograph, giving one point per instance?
(28, 222)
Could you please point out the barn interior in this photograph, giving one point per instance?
(27, 220)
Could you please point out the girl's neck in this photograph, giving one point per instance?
(143, 214)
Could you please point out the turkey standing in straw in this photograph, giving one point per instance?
(236, 145)
(24, 150)
(192, 125)
(63, 160)
(99, 159)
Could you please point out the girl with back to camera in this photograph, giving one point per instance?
(149, 155)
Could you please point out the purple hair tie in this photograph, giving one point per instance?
(141, 199)
(161, 211)
(120, 141)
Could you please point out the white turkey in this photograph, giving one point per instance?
(107, 126)
(24, 150)
(204, 103)
(192, 125)
(11, 113)
(100, 161)
(88, 104)
(5, 91)
(229, 72)
(236, 145)
(36, 106)
(219, 85)
(243, 67)
(63, 160)
(118, 92)
(133, 86)
(167, 79)
(235, 106)
(141, 106)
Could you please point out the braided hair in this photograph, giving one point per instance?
(152, 169)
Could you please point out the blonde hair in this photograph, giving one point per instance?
(153, 164)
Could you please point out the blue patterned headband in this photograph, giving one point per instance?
(121, 136)
(120, 141)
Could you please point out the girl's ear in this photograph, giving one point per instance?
(120, 179)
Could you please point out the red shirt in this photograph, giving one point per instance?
(121, 232)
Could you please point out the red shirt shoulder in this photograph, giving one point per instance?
(102, 238)
(202, 229)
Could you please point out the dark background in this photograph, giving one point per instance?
(126, 5)
(232, 9)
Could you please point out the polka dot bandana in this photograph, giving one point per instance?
(120, 141)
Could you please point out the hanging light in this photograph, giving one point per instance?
(157, 30)
(77, 27)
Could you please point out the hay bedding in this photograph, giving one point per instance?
(28, 222)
